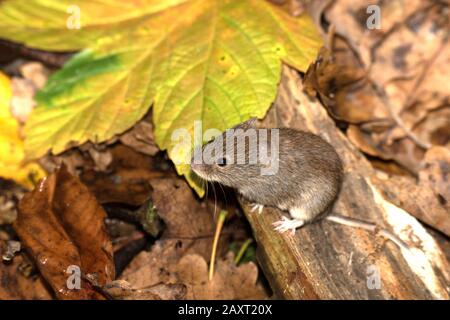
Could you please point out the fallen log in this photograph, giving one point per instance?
(325, 260)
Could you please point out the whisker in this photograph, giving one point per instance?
(215, 201)
(224, 196)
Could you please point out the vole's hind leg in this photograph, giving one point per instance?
(299, 218)
(257, 207)
(286, 224)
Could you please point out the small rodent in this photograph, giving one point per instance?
(306, 183)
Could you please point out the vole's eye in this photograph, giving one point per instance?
(222, 162)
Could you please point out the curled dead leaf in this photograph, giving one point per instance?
(60, 224)
(407, 56)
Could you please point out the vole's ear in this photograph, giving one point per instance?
(250, 123)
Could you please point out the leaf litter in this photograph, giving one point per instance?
(61, 225)
(175, 204)
(402, 129)
(387, 88)
(182, 254)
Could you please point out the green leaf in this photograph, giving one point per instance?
(218, 61)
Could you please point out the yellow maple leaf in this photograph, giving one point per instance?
(11, 145)
(217, 62)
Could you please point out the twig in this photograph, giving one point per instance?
(96, 287)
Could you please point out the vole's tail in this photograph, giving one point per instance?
(356, 223)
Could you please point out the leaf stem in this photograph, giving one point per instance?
(220, 222)
(242, 250)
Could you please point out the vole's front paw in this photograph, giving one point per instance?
(256, 206)
(286, 224)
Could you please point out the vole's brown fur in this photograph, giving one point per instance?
(307, 182)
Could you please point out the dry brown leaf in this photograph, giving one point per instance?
(189, 232)
(113, 172)
(140, 138)
(89, 156)
(60, 224)
(229, 282)
(362, 140)
(413, 64)
(150, 268)
(100, 154)
(14, 285)
(409, 58)
(73, 160)
(342, 87)
(176, 205)
(123, 290)
(168, 263)
(127, 178)
(349, 17)
(417, 199)
(429, 198)
(189, 221)
(435, 174)
(404, 151)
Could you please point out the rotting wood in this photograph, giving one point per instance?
(325, 260)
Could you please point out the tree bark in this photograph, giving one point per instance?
(326, 260)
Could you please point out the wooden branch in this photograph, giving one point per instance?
(325, 260)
